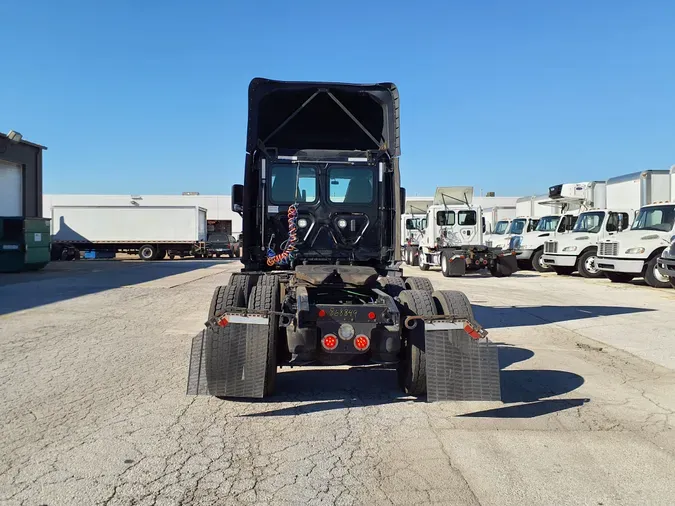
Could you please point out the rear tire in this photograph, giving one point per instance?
(266, 298)
(422, 264)
(538, 262)
(619, 277)
(412, 369)
(147, 252)
(392, 285)
(414, 257)
(445, 265)
(423, 284)
(588, 265)
(563, 270)
(452, 302)
(653, 277)
(245, 281)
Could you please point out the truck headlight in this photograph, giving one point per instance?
(570, 248)
(635, 251)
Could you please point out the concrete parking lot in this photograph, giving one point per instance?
(93, 365)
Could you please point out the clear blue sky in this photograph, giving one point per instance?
(512, 96)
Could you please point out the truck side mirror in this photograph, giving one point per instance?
(238, 198)
(402, 198)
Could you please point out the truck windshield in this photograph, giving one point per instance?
(517, 226)
(548, 224)
(659, 218)
(500, 228)
(589, 222)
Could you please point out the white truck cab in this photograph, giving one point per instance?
(413, 224)
(453, 237)
(635, 252)
(578, 250)
(571, 199)
(517, 226)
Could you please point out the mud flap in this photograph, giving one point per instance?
(507, 264)
(456, 266)
(229, 361)
(460, 368)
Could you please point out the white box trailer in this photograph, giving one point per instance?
(632, 191)
(151, 231)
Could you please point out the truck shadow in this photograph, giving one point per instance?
(513, 316)
(340, 388)
(61, 281)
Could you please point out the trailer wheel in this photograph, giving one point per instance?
(538, 262)
(653, 277)
(415, 283)
(266, 298)
(588, 264)
(147, 252)
(619, 277)
(452, 302)
(412, 369)
(563, 270)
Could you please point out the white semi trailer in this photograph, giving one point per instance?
(569, 200)
(153, 232)
(635, 252)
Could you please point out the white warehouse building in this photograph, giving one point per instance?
(219, 214)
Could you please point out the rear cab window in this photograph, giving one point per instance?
(350, 185)
(445, 218)
(283, 187)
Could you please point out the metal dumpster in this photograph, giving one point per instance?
(24, 243)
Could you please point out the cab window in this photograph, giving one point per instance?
(445, 218)
(616, 219)
(466, 218)
(350, 185)
(283, 188)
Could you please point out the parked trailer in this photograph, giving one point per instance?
(153, 232)
(635, 252)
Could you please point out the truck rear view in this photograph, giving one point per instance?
(322, 280)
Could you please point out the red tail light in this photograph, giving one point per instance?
(362, 343)
(322, 313)
(371, 315)
(329, 342)
(223, 322)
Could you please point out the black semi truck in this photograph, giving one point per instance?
(321, 281)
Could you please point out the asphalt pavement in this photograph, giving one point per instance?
(93, 367)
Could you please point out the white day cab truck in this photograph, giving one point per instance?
(152, 232)
(528, 212)
(571, 199)
(453, 237)
(635, 252)
(666, 264)
(413, 223)
(578, 250)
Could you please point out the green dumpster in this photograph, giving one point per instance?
(24, 244)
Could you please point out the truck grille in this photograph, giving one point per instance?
(551, 247)
(608, 249)
(488, 244)
(515, 242)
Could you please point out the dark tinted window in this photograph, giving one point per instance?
(466, 218)
(444, 218)
(616, 219)
(283, 186)
(350, 185)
